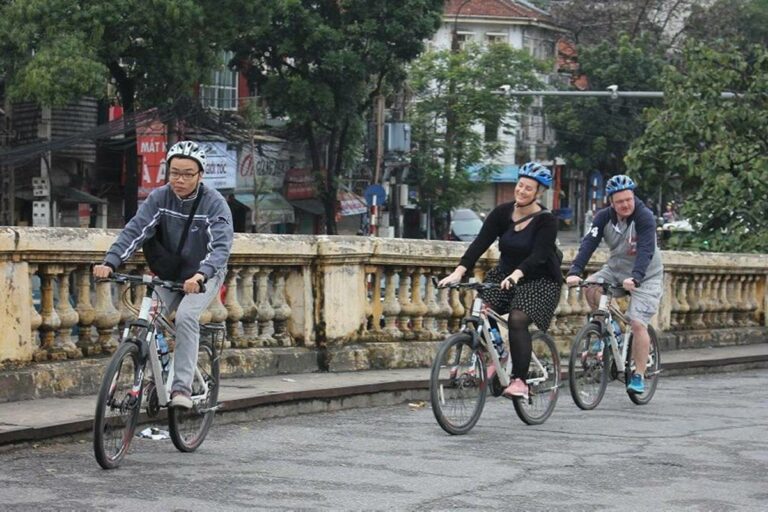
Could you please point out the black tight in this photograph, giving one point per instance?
(519, 343)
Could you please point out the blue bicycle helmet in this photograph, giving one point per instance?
(538, 172)
(618, 183)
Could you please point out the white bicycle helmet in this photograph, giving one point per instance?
(187, 149)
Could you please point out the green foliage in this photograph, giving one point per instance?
(54, 51)
(321, 63)
(739, 22)
(58, 73)
(715, 149)
(455, 92)
(594, 133)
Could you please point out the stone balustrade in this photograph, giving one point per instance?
(362, 302)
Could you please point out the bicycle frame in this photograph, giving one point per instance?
(149, 316)
(479, 317)
(606, 311)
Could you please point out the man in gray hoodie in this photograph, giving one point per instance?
(629, 229)
(204, 254)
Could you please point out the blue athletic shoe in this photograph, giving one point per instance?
(636, 384)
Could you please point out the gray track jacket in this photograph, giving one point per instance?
(208, 244)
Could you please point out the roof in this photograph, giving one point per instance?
(496, 9)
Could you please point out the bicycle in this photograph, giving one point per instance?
(459, 384)
(126, 380)
(591, 366)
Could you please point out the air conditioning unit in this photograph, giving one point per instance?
(397, 137)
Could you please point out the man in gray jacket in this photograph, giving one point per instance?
(204, 254)
(629, 229)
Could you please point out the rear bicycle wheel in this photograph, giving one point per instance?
(652, 370)
(118, 405)
(588, 367)
(457, 384)
(543, 382)
(189, 427)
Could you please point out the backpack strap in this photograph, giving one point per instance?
(189, 219)
(528, 217)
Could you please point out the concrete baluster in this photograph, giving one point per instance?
(733, 300)
(250, 312)
(694, 295)
(391, 307)
(752, 300)
(234, 310)
(684, 317)
(433, 309)
(51, 321)
(266, 312)
(419, 307)
(282, 311)
(674, 302)
(457, 311)
(68, 316)
(721, 298)
(406, 306)
(107, 317)
(86, 313)
(35, 320)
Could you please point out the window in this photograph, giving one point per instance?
(221, 92)
(463, 38)
(492, 131)
(495, 38)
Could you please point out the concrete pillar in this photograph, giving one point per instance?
(16, 341)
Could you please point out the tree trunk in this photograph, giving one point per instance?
(127, 89)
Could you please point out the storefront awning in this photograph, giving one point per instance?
(270, 208)
(64, 195)
(505, 173)
(313, 206)
(351, 204)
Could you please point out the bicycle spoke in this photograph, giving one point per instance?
(543, 382)
(457, 385)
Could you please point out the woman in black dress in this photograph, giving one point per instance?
(528, 272)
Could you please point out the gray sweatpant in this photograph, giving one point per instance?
(188, 310)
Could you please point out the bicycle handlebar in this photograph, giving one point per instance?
(148, 280)
(605, 286)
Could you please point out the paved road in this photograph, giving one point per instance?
(702, 444)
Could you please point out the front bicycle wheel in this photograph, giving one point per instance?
(188, 427)
(118, 406)
(543, 382)
(457, 384)
(588, 367)
(652, 370)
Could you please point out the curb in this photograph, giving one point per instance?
(336, 395)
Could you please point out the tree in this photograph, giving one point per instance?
(456, 96)
(593, 22)
(740, 22)
(596, 133)
(55, 51)
(321, 63)
(716, 148)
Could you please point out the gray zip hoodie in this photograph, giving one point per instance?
(208, 243)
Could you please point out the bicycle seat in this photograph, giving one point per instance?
(212, 327)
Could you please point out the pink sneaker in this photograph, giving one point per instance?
(492, 367)
(517, 389)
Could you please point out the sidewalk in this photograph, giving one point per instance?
(35, 420)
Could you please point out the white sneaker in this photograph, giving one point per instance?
(179, 399)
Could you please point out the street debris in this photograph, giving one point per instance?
(153, 433)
